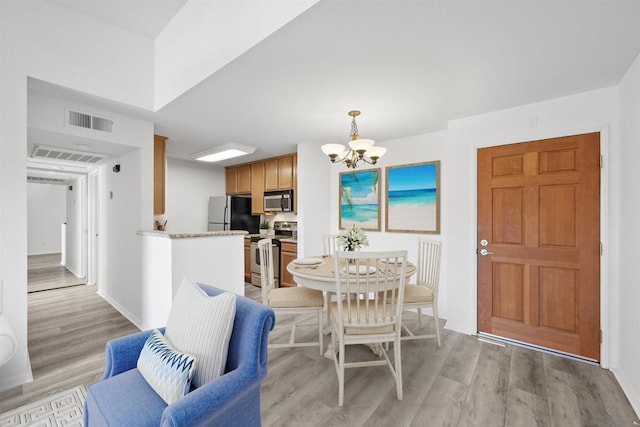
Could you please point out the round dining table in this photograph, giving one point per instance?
(321, 275)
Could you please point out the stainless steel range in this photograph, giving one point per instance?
(282, 230)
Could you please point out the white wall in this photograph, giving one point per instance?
(189, 186)
(120, 219)
(46, 211)
(415, 149)
(13, 197)
(315, 189)
(76, 238)
(204, 36)
(102, 60)
(77, 51)
(625, 322)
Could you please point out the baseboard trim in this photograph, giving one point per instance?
(632, 397)
(12, 381)
(130, 317)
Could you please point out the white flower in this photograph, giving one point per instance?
(353, 238)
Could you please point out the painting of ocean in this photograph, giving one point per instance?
(360, 199)
(413, 198)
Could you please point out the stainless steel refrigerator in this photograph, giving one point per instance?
(232, 213)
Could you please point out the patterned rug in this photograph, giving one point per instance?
(61, 409)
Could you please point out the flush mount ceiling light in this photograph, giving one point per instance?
(360, 150)
(223, 152)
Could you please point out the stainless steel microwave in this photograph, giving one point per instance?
(278, 201)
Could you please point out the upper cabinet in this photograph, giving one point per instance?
(277, 173)
(257, 187)
(159, 173)
(238, 179)
(244, 179)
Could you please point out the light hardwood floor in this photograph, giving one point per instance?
(45, 272)
(463, 383)
(67, 332)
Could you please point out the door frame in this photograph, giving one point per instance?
(605, 261)
(93, 234)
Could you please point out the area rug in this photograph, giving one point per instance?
(61, 409)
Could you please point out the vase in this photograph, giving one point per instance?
(350, 249)
(264, 231)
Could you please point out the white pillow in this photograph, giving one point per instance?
(201, 325)
(167, 371)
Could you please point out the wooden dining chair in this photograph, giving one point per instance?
(424, 293)
(368, 309)
(290, 300)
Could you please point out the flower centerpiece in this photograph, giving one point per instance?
(353, 238)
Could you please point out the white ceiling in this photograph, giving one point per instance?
(146, 17)
(409, 66)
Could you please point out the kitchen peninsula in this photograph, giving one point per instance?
(211, 257)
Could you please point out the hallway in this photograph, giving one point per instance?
(46, 273)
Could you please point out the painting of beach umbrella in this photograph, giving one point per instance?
(413, 198)
(360, 199)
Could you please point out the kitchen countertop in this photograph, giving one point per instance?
(176, 235)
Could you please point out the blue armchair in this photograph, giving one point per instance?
(123, 398)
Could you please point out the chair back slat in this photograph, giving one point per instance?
(370, 288)
(428, 273)
(265, 248)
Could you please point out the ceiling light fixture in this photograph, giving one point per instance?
(359, 149)
(223, 152)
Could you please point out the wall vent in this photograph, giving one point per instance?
(45, 180)
(59, 153)
(87, 121)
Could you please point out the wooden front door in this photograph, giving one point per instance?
(539, 213)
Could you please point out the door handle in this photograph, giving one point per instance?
(485, 252)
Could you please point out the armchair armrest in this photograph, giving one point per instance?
(122, 353)
(220, 402)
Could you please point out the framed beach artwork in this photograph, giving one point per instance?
(360, 199)
(413, 198)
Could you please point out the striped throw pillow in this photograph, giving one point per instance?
(201, 325)
(167, 371)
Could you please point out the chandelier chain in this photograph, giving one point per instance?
(354, 129)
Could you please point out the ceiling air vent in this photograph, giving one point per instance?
(59, 153)
(45, 180)
(88, 121)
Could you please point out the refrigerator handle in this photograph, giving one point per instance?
(225, 224)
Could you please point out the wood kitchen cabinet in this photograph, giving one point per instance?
(159, 173)
(276, 173)
(231, 180)
(257, 187)
(279, 173)
(238, 179)
(288, 252)
(285, 172)
(247, 259)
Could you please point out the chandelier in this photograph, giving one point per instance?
(360, 150)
